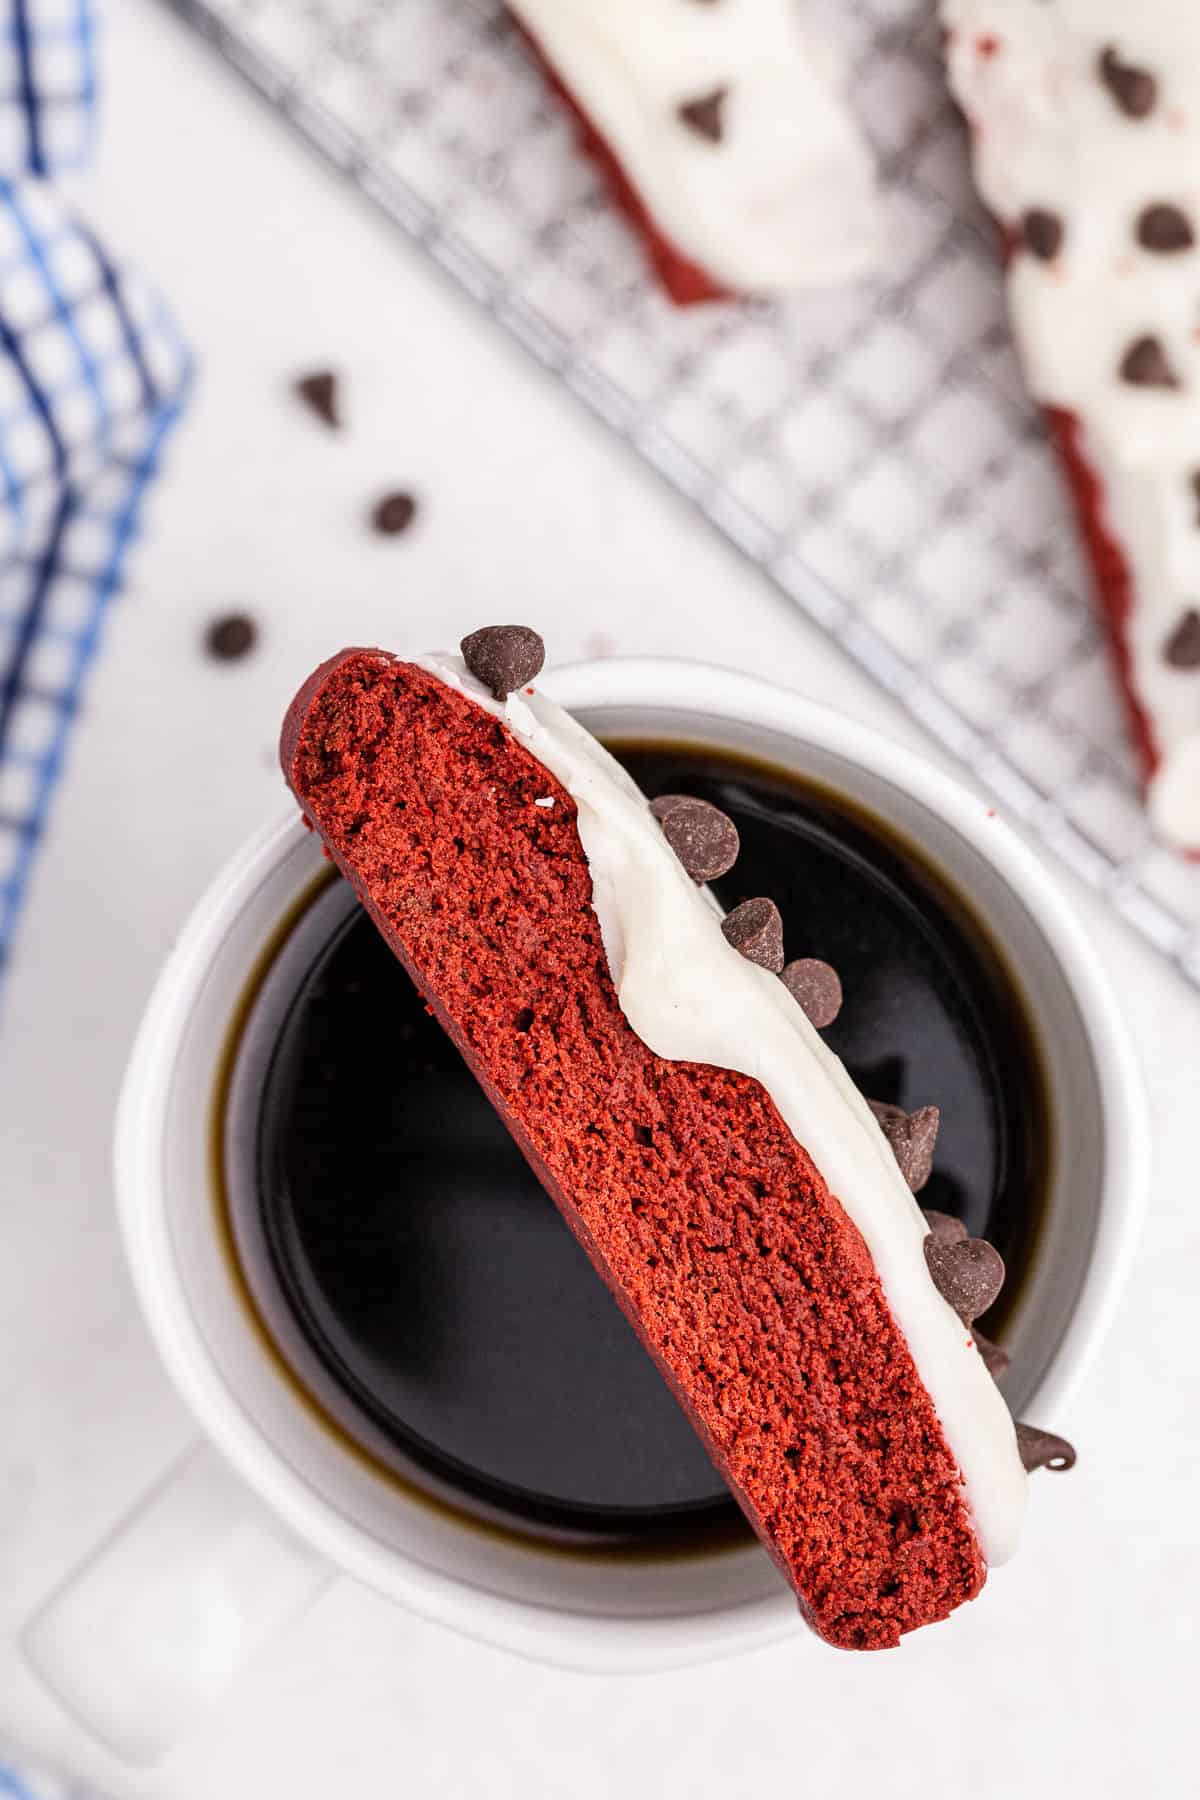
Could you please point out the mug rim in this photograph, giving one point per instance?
(575, 1639)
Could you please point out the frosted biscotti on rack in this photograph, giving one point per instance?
(1085, 131)
(717, 126)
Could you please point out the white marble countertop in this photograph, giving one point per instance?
(1078, 1669)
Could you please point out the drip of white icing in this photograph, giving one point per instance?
(787, 197)
(691, 997)
(1048, 134)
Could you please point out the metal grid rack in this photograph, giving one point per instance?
(870, 448)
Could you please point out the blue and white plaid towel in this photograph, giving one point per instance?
(92, 376)
(22, 1780)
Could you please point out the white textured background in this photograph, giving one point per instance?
(1078, 1669)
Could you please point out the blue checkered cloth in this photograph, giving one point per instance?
(20, 1779)
(92, 376)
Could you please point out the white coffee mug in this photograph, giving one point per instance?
(233, 1544)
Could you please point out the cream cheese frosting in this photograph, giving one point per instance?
(1085, 119)
(691, 997)
(769, 186)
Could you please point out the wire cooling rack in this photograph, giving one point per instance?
(870, 448)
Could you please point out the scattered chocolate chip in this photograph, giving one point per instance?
(967, 1273)
(230, 637)
(995, 1359)
(1145, 364)
(1044, 1449)
(1043, 233)
(945, 1226)
(1196, 495)
(816, 989)
(703, 838)
(319, 392)
(1182, 648)
(706, 115)
(1134, 90)
(504, 657)
(755, 930)
(393, 514)
(1165, 229)
(912, 1137)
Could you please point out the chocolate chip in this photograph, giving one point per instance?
(755, 930)
(230, 637)
(1182, 648)
(995, 1359)
(319, 392)
(1043, 233)
(1165, 229)
(1145, 364)
(945, 1226)
(703, 838)
(504, 657)
(393, 514)
(1196, 495)
(816, 989)
(1134, 90)
(912, 1137)
(967, 1273)
(1044, 1449)
(706, 114)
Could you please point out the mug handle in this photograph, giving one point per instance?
(154, 1625)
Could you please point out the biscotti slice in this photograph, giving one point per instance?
(719, 135)
(711, 1155)
(1085, 132)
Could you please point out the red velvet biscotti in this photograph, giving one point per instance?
(545, 916)
(718, 136)
(1085, 125)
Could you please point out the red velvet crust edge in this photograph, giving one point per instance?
(1110, 573)
(290, 738)
(686, 282)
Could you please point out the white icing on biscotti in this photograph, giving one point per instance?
(1088, 111)
(770, 188)
(690, 996)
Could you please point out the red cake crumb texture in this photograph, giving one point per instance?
(745, 1279)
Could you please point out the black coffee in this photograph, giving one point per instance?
(436, 1282)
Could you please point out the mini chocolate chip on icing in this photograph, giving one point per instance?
(504, 657)
(706, 114)
(319, 392)
(945, 1226)
(703, 838)
(1043, 233)
(815, 988)
(755, 930)
(996, 1359)
(231, 637)
(1146, 364)
(663, 805)
(1165, 228)
(1196, 495)
(393, 514)
(1134, 90)
(912, 1137)
(1044, 1449)
(1182, 648)
(968, 1273)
